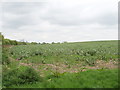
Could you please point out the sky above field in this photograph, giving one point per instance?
(59, 20)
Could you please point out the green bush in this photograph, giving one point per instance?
(5, 59)
(21, 75)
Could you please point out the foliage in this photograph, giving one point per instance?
(88, 79)
(67, 52)
(5, 58)
(13, 42)
(21, 75)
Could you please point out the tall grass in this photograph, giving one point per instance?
(87, 79)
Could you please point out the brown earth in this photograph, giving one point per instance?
(61, 68)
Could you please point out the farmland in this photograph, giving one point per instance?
(61, 65)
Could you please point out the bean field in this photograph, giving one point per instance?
(61, 65)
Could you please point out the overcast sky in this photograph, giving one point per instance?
(59, 20)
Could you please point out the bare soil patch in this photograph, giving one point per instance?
(61, 68)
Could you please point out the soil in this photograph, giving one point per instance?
(61, 68)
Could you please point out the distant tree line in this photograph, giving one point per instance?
(14, 42)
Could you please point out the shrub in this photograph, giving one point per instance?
(5, 59)
(21, 75)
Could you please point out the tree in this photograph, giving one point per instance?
(53, 43)
(33, 43)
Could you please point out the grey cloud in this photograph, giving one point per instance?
(55, 15)
(21, 7)
(53, 21)
(24, 12)
(18, 22)
(66, 15)
(108, 18)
